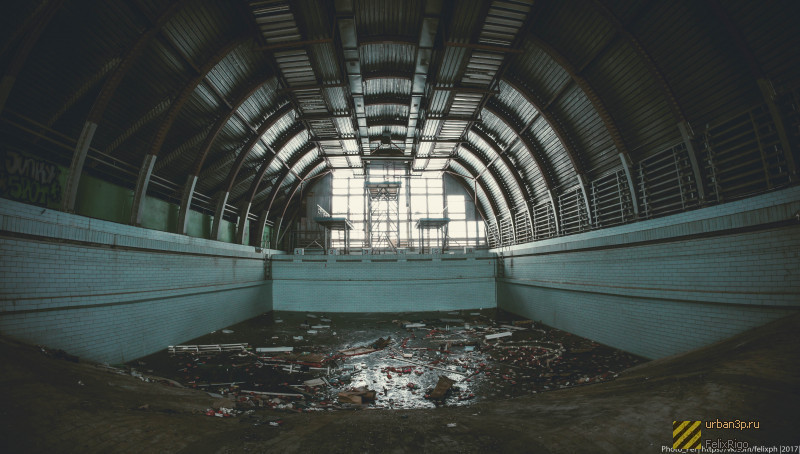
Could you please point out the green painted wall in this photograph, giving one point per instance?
(199, 225)
(159, 215)
(30, 179)
(102, 200)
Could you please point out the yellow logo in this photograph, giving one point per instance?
(686, 435)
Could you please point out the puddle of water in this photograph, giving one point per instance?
(520, 358)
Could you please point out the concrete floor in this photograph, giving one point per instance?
(53, 405)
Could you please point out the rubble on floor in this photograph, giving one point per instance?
(380, 361)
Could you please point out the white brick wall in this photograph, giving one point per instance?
(112, 292)
(372, 284)
(667, 296)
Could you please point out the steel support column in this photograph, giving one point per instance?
(139, 193)
(626, 166)
(768, 92)
(242, 224)
(174, 110)
(216, 224)
(551, 195)
(76, 166)
(186, 202)
(257, 231)
(104, 98)
(694, 158)
(582, 184)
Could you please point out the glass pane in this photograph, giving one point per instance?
(455, 205)
(339, 204)
(356, 206)
(418, 205)
(356, 184)
(348, 199)
(435, 185)
(457, 230)
(435, 205)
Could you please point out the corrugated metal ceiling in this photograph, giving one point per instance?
(560, 88)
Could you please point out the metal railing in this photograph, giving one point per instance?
(666, 183)
(611, 201)
(738, 157)
(524, 229)
(743, 155)
(572, 211)
(544, 221)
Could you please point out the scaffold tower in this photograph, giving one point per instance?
(383, 208)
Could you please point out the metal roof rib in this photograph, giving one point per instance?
(531, 103)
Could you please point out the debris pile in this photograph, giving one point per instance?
(381, 363)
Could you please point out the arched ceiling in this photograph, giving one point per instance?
(232, 105)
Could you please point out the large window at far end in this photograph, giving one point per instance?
(419, 197)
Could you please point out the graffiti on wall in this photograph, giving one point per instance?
(29, 179)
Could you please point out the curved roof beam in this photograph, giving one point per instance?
(541, 164)
(581, 81)
(288, 70)
(573, 156)
(502, 155)
(191, 180)
(620, 28)
(765, 86)
(462, 181)
(266, 206)
(572, 153)
(85, 88)
(296, 129)
(225, 192)
(104, 97)
(470, 149)
(483, 66)
(309, 148)
(232, 154)
(257, 230)
(247, 203)
(186, 92)
(265, 209)
(231, 110)
(666, 90)
(479, 183)
(143, 181)
(489, 194)
(314, 166)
